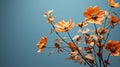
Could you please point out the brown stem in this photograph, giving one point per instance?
(79, 51)
(100, 52)
(106, 18)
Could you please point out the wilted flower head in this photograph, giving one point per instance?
(48, 13)
(84, 31)
(89, 56)
(114, 20)
(113, 47)
(63, 26)
(102, 31)
(72, 46)
(81, 24)
(42, 44)
(113, 4)
(49, 16)
(94, 15)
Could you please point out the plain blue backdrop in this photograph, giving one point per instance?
(22, 24)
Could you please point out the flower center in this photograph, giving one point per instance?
(112, 49)
(94, 16)
(66, 29)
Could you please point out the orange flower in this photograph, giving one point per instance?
(113, 4)
(94, 15)
(102, 31)
(50, 19)
(81, 24)
(113, 47)
(49, 16)
(72, 46)
(63, 26)
(114, 19)
(42, 44)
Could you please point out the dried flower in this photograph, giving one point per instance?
(113, 20)
(42, 44)
(82, 24)
(113, 4)
(89, 56)
(72, 46)
(49, 16)
(113, 47)
(48, 13)
(94, 15)
(102, 31)
(84, 31)
(63, 26)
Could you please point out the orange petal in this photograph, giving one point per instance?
(90, 9)
(100, 13)
(72, 46)
(87, 14)
(114, 19)
(40, 50)
(59, 30)
(95, 9)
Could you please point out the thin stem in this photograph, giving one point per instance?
(100, 58)
(80, 52)
(106, 18)
(107, 36)
(58, 34)
(95, 56)
(55, 47)
(108, 58)
(60, 47)
(65, 49)
(60, 37)
(70, 37)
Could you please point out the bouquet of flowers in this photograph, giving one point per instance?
(96, 40)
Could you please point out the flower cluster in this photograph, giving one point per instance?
(96, 40)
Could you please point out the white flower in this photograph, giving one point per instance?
(84, 31)
(89, 56)
(81, 48)
(75, 37)
(107, 14)
(49, 13)
(94, 37)
(92, 44)
(73, 53)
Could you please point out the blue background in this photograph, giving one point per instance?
(22, 24)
